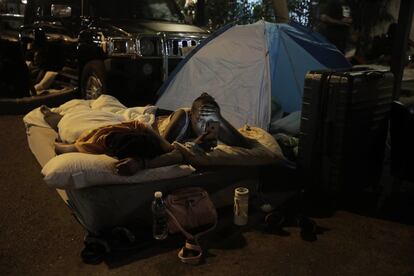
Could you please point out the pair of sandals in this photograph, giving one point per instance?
(191, 252)
(277, 221)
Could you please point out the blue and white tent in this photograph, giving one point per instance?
(247, 67)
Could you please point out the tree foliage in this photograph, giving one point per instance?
(221, 12)
(366, 14)
(301, 11)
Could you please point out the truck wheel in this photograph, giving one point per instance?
(93, 81)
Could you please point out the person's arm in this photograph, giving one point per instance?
(175, 126)
(130, 166)
(332, 14)
(346, 21)
(165, 145)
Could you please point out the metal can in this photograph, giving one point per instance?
(241, 205)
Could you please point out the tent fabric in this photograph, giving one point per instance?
(249, 69)
(177, 69)
(234, 69)
(290, 64)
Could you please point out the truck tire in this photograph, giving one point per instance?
(93, 81)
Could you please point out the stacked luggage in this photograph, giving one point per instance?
(343, 129)
(402, 137)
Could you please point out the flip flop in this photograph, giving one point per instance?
(190, 253)
(308, 228)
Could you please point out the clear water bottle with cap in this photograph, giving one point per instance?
(160, 226)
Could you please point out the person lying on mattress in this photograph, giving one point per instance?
(138, 145)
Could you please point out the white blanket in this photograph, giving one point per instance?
(79, 170)
(81, 115)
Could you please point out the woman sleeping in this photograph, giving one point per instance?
(139, 145)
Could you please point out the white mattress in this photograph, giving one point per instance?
(104, 207)
(41, 143)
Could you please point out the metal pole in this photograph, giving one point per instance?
(165, 54)
(400, 44)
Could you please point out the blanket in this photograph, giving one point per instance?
(80, 170)
(81, 115)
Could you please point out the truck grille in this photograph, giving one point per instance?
(178, 47)
(175, 47)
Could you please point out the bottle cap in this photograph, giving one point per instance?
(158, 194)
(241, 191)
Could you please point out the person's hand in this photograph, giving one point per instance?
(201, 139)
(204, 142)
(129, 166)
(347, 20)
(209, 112)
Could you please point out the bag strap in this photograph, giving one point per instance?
(195, 246)
(186, 234)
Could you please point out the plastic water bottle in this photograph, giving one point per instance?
(160, 227)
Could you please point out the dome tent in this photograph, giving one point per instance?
(247, 67)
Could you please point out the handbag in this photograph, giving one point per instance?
(189, 208)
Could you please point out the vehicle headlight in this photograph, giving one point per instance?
(147, 46)
(122, 46)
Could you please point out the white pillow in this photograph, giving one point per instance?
(80, 170)
(265, 150)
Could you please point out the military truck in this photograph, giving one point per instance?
(125, 48)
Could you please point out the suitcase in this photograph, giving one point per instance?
(344, 125)
(402, 137)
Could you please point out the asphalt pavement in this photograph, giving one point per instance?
(39, 236)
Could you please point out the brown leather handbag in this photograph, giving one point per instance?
(190, 208)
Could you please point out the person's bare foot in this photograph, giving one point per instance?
(64, 148)
(52, 118)
(44, 109)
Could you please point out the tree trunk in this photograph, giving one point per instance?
(281, 11)
(200, 17)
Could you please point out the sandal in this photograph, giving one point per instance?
(307, 229)
(275, 222)
(190, 253)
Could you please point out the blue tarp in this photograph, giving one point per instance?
(293, 51)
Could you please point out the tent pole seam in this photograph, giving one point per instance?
(291, 62)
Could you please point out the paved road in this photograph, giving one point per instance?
(38, 236)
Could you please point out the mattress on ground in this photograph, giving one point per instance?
(15, 106)
(102, 208)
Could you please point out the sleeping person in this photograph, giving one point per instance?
(139, 145)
